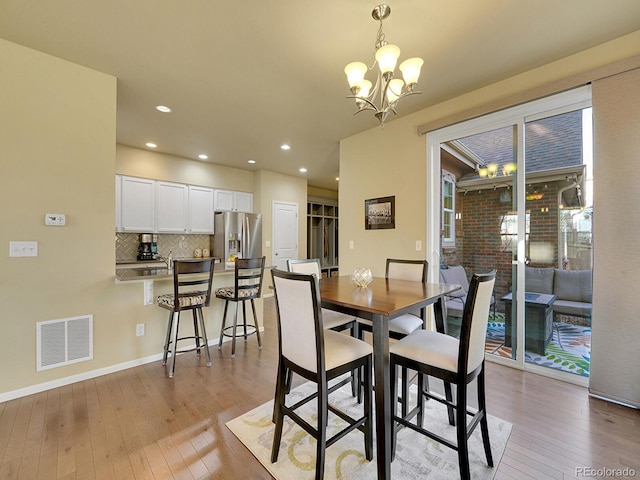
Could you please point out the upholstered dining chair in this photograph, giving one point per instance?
(187, 274)
(400, 327)
(318, 355)
(332, 320)
(247, 287)
(455, 361)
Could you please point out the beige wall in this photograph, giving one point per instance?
(58, 150)
(392, 161)
(274, 187)
(137, 162)
(369, 168)
(57, 147)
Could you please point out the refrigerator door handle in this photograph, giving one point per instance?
(245, 238)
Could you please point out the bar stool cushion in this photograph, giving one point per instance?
(230, 292)
(194, 298)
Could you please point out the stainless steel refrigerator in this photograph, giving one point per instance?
(237, 233)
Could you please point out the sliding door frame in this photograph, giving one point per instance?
(516, 116)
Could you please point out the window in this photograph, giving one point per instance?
(448, 209)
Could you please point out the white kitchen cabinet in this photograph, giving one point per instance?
(172, 206)
(137, 204)
(200, 209)
(229, 200)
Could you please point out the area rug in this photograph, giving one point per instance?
(569, 349)
(416, 457)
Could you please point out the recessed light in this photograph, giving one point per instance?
(337, 179)
(251, 161)
(285, 147)
(202, 156)
(151, 145)
(303, 170)
(163, 109)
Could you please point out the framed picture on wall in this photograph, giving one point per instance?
(380, 213)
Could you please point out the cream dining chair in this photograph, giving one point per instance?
(318, 355)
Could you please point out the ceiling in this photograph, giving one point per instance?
(243, 77)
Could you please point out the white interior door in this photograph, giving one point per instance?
(285, 233)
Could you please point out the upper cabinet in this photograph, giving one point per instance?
(172, 207)
(150, 206)
(229, 200)
(200, 209)
(136, 209)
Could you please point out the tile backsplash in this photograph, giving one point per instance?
(180, 245)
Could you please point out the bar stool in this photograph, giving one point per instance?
(247, 286)
(186, 275)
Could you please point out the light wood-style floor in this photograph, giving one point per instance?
(139, 424)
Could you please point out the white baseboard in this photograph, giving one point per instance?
(61, 382)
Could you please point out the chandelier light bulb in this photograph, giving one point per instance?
(365, 88)
(355, 74)
(410, 69)
(387, 57)
(394, 91)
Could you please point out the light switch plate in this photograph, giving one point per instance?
(23, 249)
(55, 219)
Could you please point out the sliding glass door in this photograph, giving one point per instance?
(514, 195)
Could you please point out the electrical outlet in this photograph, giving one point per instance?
(350, 244)
(418, 245)
(183, 244)
(139, 329)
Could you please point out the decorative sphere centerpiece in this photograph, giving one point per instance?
(362, 277)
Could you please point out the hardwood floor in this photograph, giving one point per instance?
(139, 424)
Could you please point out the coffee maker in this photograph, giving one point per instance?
(148, 246)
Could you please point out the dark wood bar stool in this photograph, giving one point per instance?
(247, 286)
(187, 274)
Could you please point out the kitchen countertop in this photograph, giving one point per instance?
(130, 271)
(133, 270)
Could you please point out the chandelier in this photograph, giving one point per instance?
(388, 90)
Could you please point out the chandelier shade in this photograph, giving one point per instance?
(383, 97)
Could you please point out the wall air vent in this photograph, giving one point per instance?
(63, 342)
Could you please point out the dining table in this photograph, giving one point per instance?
(380, 301)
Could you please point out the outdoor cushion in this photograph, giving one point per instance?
(573, 285)
(568, 307)
(539, 280)
(455, 276)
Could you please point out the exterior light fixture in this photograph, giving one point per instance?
(389, 89)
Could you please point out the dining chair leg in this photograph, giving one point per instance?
(393, 379)
(278, 416)
(404, 404)
(323, 418)
(484, 423)
(461, 430)
(368, 408)
(224, 323)
(420, 417)
(449, 396)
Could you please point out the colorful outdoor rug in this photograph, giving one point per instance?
(417, 456)
(569, 349)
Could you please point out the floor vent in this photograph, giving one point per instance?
(63, 342)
